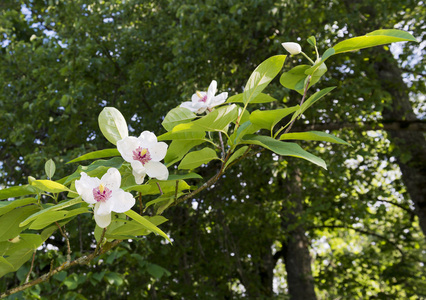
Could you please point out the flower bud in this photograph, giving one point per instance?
(292, 48)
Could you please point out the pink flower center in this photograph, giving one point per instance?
(101, 193)
(142, 155)
(204, 99)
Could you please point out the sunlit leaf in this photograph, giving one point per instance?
(313, 136)
(262, 76)
(97, 154)
(113, 125)
(196, 158)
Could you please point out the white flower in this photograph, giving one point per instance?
(144, 154)
(105, 194)
(292, 48)
(202, 101)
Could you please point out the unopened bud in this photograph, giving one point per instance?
(292, 48)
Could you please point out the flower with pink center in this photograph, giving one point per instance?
(202, 101)
(105, 194)
(144, 154)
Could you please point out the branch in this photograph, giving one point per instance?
(301, 102)
(79, 261)
(387, 125)
(207, 184)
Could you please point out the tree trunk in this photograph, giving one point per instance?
(412, 144)
(295, 250)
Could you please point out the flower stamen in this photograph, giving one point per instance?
(142, 155)
(202, 98)
(101, 193)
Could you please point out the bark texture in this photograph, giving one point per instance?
(296, 249)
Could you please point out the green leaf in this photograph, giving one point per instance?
(218, 120)
(375, 38)
(261, 98)
(329, 52)
(50, 168)
(313, 136)
(236, 155)
(156, 271)
(295, 79)
(183, 135)
(97, 154)
(19, 253)
(113, 278)
(134, 228)
(245, 128)
(267, 119)
(177, 116)
(113, 125)
(50, 217)
(9, 222)
(283, 148)
(147, 224)
(6, 206)
(49, 186)
(61, 205)
(17, 191)
(178, 149)
(184, 176)
(96, 169)
(314, 98)
(262, 76)
(151, 187)
(196, 158)
(312, 41)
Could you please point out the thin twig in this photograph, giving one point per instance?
(98, 245)
(62, 231)
(159, 187)
(301, 102)
(31, 268)
(207, 184)
(221, 145)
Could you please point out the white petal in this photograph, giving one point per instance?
(189, 105)
(197, 97)
(102, 220)
(138, 172)
(112, 179)
(147, 139)
(104, 208)
(85, 186)
(219, 99)
(158, 151)
(212, 90)
(126, 147)
(292, 48)
(202, 109)
(157, 170)
(122, 201)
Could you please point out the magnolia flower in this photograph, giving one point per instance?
(144, 154)
(105, 194)
(292, 48)
(202, 101)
